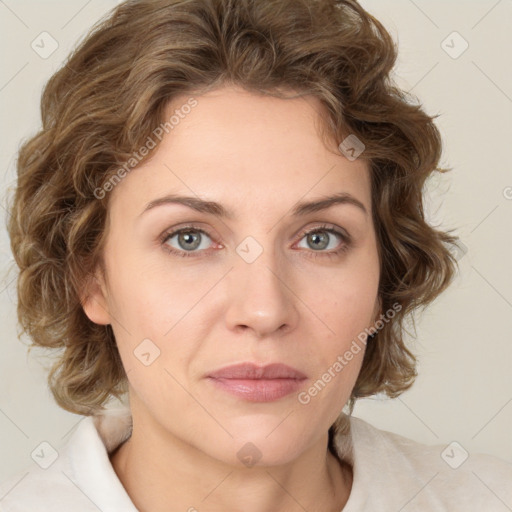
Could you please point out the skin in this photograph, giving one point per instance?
(293, 304)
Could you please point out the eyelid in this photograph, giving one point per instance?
(327, 227)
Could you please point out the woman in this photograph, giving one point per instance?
(221, 221)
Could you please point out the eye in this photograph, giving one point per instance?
(188, 239)
(321, 237)
(191, 241)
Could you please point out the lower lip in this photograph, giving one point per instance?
(259, 390)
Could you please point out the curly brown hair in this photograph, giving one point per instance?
(111, 93)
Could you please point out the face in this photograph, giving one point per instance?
(189, 291)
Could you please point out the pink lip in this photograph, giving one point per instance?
(258, 383)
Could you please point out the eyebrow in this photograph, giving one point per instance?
(213, 208)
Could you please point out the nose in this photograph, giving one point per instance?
(261, 297)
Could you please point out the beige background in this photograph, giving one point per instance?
(464, 341)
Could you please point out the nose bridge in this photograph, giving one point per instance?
(260, 291)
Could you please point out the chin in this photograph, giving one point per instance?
(263, 445)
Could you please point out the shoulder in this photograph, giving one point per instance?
(419, 476)
(78, 476)
(36, 488)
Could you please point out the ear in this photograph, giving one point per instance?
(94, 299)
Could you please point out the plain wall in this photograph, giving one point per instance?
(463, 341)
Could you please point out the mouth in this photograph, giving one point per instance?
(258, 383)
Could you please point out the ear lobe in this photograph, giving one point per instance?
(94, 300)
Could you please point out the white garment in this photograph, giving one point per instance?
(391, 474)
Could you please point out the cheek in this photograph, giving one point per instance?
(344, 300)
(139, 295)
(154, 321)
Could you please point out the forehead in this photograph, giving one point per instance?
(247, 150)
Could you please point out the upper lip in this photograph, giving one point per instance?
(253, 371)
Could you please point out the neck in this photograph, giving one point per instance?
(162, 476)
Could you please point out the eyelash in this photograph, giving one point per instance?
(347, 241)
